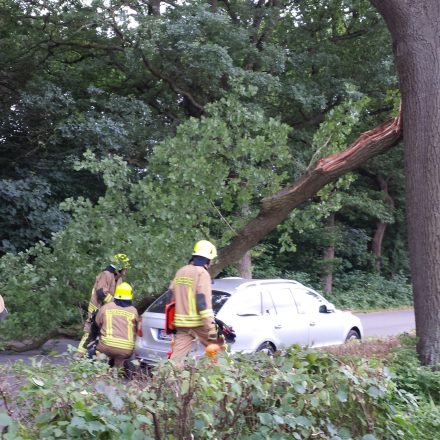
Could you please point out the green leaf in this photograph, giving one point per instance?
(144, 419)
(5, 420)
(38, 382)
(341, 395)
(299, 388)
(374, 392)
(265, 418)
(303, 421)
(184, 387)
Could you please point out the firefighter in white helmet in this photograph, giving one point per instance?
(192, 292)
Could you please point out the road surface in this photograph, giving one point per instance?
(388, 323)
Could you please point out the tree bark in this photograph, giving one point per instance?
(276, 208)
(379, 234)
(245, 266)
(415, 30)
(154, 7)
(329, 256)
(376, 245)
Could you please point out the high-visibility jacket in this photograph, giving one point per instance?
(3, 310)
(107, 282)
(117, 325)
(192, 292)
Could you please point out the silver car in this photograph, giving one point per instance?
(266, 315)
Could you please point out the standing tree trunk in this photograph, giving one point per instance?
(415, 29)
(329, 256)
(379, 234)
(245, 266)
(154, 7)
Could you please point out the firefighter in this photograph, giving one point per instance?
(3, 310)
(117, 321)
(103, 292)
(192, 292)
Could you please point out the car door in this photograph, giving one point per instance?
(324, 328)
(288, 325)
(243, 312)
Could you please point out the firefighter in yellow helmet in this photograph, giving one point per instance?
(103, 292)
(192, 292)
(117, 322)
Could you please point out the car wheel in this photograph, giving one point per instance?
(353, 334)
(266, 347)
(130, 370)
(145, 369)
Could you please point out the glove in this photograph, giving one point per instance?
(225, 332)
(100, 295)
(212, 335)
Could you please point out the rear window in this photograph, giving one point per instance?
(159, 305)
(218, 299)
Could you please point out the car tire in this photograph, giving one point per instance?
(145, 369)
(266, 347)
(352, 335)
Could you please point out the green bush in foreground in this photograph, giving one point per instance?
(301, 395)
(410, 375)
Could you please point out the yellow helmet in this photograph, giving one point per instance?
(124, 291)
(205, 248)
(120, 261)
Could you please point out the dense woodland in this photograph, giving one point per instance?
(140, 127)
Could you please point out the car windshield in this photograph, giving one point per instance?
(218, 299)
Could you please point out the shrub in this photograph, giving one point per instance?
(364, 291)
(300, 395)
(421, 381)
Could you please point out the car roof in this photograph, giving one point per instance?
(231, 284)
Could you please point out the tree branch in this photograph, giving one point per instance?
(276, 208)
(158, 75)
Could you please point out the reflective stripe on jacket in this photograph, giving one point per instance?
(117, 325)
(188, 282)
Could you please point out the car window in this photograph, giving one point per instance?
(159, 305)
(218, 299)
(268, 306)
(249, 301)
(307, 301)
(283, 300)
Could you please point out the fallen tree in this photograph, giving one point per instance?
(276, 208)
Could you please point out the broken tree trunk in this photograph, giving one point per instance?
(276, 208)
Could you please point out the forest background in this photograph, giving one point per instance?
(142, 128)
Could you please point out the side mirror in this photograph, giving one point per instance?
(326, 309)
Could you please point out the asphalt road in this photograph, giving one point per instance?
(390, 323)
(376, 324)
(51, 349)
